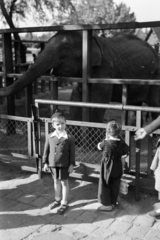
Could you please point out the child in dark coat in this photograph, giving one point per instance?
(59, 156)
(114, 149)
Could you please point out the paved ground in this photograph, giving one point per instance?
(24, 213)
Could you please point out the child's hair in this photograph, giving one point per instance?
(57, 115)
(113, 128)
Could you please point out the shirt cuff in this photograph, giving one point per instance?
(98, 146)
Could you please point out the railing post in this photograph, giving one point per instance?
(8, 68)
(124, 115)
(54, 92)
(128, 158)
(37, 138)
(138, 151)
(86, 71)
(149, 155)
(29, 129)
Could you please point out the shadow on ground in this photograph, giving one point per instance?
(24, 201)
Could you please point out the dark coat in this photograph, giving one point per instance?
(59, 152)
(111, 165)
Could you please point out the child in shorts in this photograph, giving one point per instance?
(59, 157)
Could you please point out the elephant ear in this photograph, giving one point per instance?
(96, 53)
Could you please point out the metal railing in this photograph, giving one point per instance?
(85, 145)
(19, 138)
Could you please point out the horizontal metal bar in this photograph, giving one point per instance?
(79, 104)
(99, 105)
(93, 80)
(89, 124)
(23, 119)
(141, 108)
(125, 81)
(28, 41)
(122, 25)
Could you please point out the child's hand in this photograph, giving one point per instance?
(70, 169)
(45, 167)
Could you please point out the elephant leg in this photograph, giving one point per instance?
(76, 96)
(100, 93)
(132, 116)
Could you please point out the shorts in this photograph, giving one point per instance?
(60, 173)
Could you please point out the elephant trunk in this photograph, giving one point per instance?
(43, 63)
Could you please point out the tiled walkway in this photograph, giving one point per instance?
(24, 212)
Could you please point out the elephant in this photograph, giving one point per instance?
(115, 57)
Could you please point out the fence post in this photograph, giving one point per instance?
(124, 115)
(29, 129)
(128, 158)
(1, 81)
(149, 155)
(86, 71)
(8, 68)
(54, 92)
(138, 146)
(37, 138)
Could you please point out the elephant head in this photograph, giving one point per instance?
(63, 54)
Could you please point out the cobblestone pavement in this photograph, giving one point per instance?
(24, 212)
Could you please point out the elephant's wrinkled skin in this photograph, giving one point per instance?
(122, 57)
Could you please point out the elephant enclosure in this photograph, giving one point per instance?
(26, 141)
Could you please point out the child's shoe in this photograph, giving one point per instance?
(106, 208)
(63, 208)
(54, 204)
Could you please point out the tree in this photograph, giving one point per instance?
(13, 11)
(57, 12)
(93, 12)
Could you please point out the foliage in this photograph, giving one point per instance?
(58, 12)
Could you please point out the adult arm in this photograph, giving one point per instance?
(143, 132)
(152, 126)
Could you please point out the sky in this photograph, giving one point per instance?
(145, 10)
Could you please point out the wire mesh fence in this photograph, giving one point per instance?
(14, 136)
(86, 141)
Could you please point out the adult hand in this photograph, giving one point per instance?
(140, 134)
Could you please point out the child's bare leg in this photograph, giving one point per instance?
(65, 191)
(57, 189)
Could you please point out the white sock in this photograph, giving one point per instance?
(58, 199)
(158, 210)
(63, 202)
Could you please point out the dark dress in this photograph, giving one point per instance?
(111, 170)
